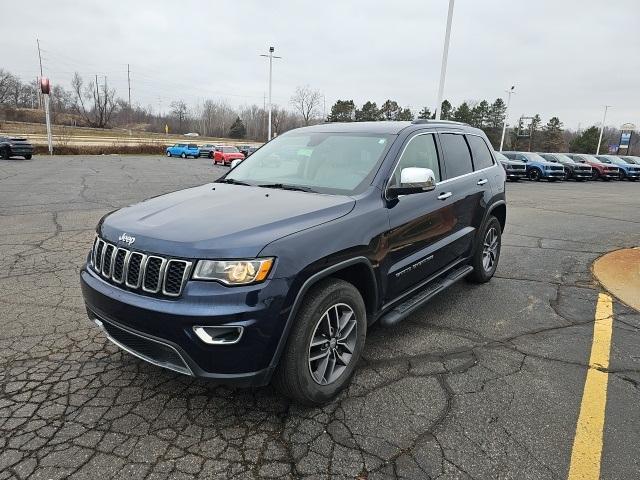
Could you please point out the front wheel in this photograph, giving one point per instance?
(5, 154)
(324, 344)
(27, 157)
(168, 154)
(535, 174)
(595, 175)
(487, 253)
(183, 155)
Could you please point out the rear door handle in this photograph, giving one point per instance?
(444, 196)
(482, 182)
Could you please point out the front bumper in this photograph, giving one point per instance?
(160, 330)
(611, 175)
(515, 174)
(557, 174)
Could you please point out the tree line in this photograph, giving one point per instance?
(92, 102)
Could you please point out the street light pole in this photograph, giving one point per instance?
(604, 117)
(271, 56)
(506, 114)
(445, 54)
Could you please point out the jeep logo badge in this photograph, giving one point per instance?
(126, 238)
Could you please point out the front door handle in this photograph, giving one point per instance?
(482, 182)
(444, 196)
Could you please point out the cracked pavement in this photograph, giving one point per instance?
(484, 382)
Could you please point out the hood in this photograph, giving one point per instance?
(220, 220)
(508, 161)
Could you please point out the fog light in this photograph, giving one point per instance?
(224, 335)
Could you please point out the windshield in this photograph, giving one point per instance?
(590, 158)
(549, 158)
(534, 157)
(617, 161)
(501, 157)
(230, 150)
(331, 162)
(563, 158)
(634, 160)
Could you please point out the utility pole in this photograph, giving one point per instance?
(506, 115)
(41, 74)
(324, 108)
(604, 117)
(445, 54)
(129, 83)
(271, 56)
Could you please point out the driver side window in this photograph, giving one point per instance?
(420, 152)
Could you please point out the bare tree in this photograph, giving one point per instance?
(8, 84)
(96, 103)
(180, 110)
(306, 102)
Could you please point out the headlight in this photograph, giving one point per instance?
(234, 272)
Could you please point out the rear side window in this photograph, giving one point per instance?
(420, 152)
(457, 157)
(480, 152)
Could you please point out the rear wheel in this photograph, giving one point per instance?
(5, 153)
(168, 154)
(487, 253)
(324, 344)
(27, 157)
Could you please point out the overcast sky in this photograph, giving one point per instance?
(566, 58)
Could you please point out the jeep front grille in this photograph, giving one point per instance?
(138, 271)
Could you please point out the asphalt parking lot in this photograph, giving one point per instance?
(486, 382)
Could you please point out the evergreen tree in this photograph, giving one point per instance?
(406, 115)
(368, 113)
(480, 114)
(237, 129)
(446, 110)
(497, 113)
(534, 132)
(552, 138)
(390, 110)
(463, 113)
(587, 142)
(425, 114)
(342, 111)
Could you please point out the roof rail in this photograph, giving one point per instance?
(429, 120)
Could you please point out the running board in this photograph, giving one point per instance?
(410, 305)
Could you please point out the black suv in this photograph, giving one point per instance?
(15, 147)
(277, 269)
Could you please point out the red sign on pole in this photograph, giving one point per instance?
(45, 85)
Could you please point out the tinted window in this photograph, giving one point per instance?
(419, 152)
(481, 154)
(457, 156)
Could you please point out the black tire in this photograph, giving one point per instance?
(623, 176)
(27, 157)
(210, 155)
(567, 175)
(183, 155)
(5, 154)
(535, 174)
(480, 273)
(169, 154)
(595, 175)
(293, 377)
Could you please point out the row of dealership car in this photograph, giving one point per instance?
(565, 166)
(223, 154)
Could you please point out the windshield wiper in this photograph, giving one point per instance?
(233, 182)
(284, 186)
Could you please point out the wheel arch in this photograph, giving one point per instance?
(347, 270)
(499, 210)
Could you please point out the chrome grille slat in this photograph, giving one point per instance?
(150, 274)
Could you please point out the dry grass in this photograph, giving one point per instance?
(149, 148)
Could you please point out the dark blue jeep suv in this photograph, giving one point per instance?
(276, 270)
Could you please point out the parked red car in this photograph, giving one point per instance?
(599, 170)
(226, 154)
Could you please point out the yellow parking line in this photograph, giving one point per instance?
(587, 444)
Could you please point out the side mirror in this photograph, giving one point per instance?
(235, 162)
(413, 180)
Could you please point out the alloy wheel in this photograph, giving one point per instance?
(490, 249)
(332, 343)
